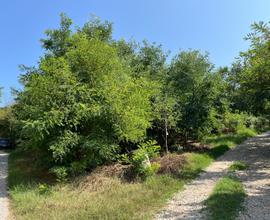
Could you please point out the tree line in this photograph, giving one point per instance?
(92, 98)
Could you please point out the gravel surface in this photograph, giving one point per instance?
(187, 204)
(256, 179)
(3, 186)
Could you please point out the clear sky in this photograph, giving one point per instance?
(216, 26)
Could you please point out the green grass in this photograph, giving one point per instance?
(197, 162)
(230, 140)
(238, 165)
(226, 200)
(110, 198)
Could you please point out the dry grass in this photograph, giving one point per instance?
(100, 198)
(171, 163)
(99, 195)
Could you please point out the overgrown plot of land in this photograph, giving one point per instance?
(97, 195)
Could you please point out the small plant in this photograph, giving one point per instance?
(60, 173)
(124, 159)
(77, 167)
(43, 189)
(238, 165)
(141, 159)
(151, 148)
(152, 169)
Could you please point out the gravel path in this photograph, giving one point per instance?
(187, 204)
(3, 186)
(256, 179)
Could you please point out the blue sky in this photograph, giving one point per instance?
(216, 26)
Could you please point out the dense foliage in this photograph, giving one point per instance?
(92, 98)
(252, 81)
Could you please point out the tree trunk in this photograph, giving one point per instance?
(186, 139)
(166, 136)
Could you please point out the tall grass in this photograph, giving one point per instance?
(114, 200)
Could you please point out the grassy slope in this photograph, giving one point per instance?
(112, 199)
(226, 200)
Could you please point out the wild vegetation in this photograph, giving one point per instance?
(105, 193)
(93, 101)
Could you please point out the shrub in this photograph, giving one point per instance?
(151, 148)
(141, 159)
(239, 123)
(261, 124)
(152, 169)
(78, 167)
(233, 121)
(247, 132)
(61, 173)
(98, 151)
(43, 189)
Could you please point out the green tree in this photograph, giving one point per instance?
(7, 123)
(81, 100)
(165, 114)
(253, 81)
(191, 78)
(57, 41)
(150, 61)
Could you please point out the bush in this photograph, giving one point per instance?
(151, 148)
(233, 121)
(247, 132)
(61, 173)
(77, 167)
(215, 122)
(239, 123)
(43, 189)
(261, 124)
(96, 152)
(141, 159)
(152, 169)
